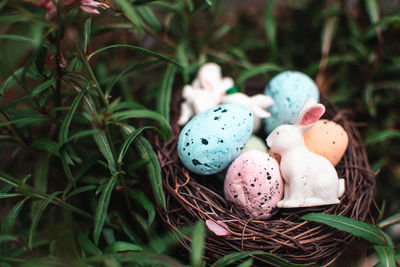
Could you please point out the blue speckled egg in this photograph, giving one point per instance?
(214, 138)
(290, 90)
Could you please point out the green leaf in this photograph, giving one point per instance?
(68, 118)
(197, 246)
(10, 79)
(8, 224)
(105, 149)
(146, 204)
(260, 69)
(102, 207)
(392, 220)
(386, 256)
(373, 10)
(43, 86)
(128, 141)
(86, 34)
(120, 246)
(130, 13)
(210, 2)
(8, 195)
(14, 37)
(153, 168)
(136, 48)
(128, 70)
(150, 259)
(361, 229)
(47, 145)
(82, 189)
(247, 263)
(37, 214)
(28, 120)
(382, 136)
(145, 113)
(164, 94)
(88, 245)
(272, 258)
(80, 134)
(148, 16)
(270, 24)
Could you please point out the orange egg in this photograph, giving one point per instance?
(328, 139)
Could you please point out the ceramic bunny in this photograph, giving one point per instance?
(310, 179)
(205, 92)
(257, 104)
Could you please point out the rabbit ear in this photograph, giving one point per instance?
(310, 114)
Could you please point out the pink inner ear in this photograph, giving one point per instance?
(312, 115)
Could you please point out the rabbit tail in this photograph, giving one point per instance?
(341, 187)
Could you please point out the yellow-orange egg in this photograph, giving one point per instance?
(328, 139)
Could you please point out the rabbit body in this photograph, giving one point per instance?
(310, 179)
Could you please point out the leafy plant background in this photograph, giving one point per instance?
(80, 92)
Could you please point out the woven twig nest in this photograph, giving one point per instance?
(191, 197)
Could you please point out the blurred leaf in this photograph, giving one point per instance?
(369, 99)
(148, 16)
(270, 24)
(88, 245)
(8, 224)
(164, 94)
(146, 204)
(105, 149)
(10, 79)
(247, 263)
(210, 2)
(43, 86)
(82, 189)
(86, 34)
(150, 259)
(392, 220)
(361, 229)
(37, 214)
(8, 195)
(47, 145)
(373, 10)
(136, 48)
(130, 13)
(14, 37)
(41, 172)
(81, 134)
(197, 245)
(153, 168)
(120, 246)
(102, 207)
(128, 70)
(145, 113)
(382, 136)
(272, 258)
(28, 120)
(260, 69)
(386, 256)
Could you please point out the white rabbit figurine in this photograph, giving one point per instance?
(257, 104)
(310, 179)
(205, 92)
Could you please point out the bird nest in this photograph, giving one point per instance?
(191, 197)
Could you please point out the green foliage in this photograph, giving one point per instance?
(82, 97)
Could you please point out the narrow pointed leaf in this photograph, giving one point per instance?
(86, 34)
(130, 13)
(164, 94)
(153, 168)
(392, 220)
(146, 204)
(247, 263)
(102, 207)
(43, 86)
(136, 48)
(37, 214)
(121, 246)
(382, 136)
(197, 246)
(8, 195)
(88, 245)
(105, 149)
(386, 256)
(361, 229)
(128, 141)
(8, 224)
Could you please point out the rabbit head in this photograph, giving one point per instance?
(287, 136)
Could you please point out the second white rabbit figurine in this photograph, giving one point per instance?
(310, 179)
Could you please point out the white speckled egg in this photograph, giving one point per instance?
(211, 140)
(289, 90)
(328, 139)
(255, 143)
(254, 185)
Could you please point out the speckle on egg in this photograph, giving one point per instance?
(256, 200)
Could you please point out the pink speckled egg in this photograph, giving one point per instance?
(254, 185)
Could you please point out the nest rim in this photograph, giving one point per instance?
(284, 234)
